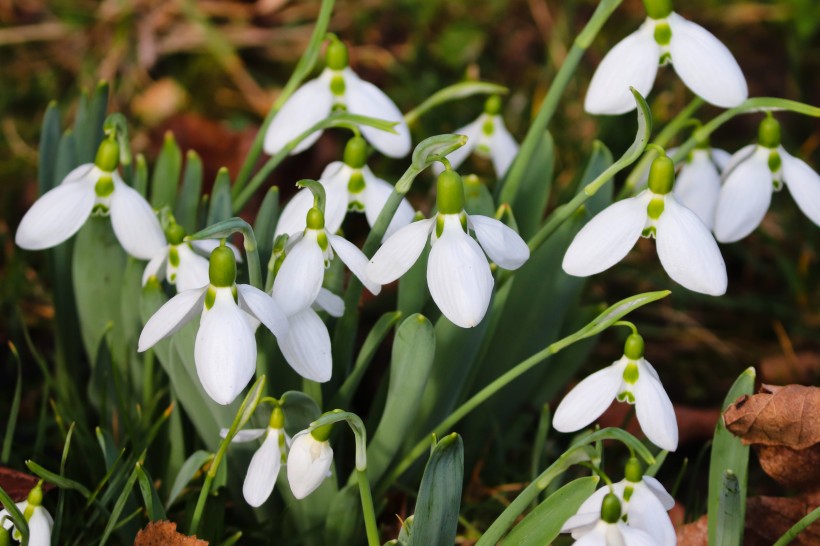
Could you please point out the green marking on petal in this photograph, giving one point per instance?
(356, 206)
(337, 85)
(321, 238)
(488, 127)
(104, 186)
(356, 184)
(666, 58)
(655, 208)
(627, 397)
(210, 297)
(663, 33)
(775, 162)
(628, 490)
(173, 256)
(439, 225)
(649, 232)
(631, 373)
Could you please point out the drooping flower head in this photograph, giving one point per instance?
(697, 185)
(605, 526)
(93, 188)
(458, 274)
(40, 522)
(686, 248)
(337, 87)
(753, 173)
(309, 460)
(704, 64)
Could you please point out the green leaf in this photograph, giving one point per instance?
(439, 500)
(265, 223)
(457, 91)
(220, 208)
(413, 293)
(20, 523)
(542, 525)
(48, 149)
(149, 495)
(728, 454)
(433, 147)
(729, 533)
(528, 198)
(191, 466)
(59, 481)
(11, 423)
(477, 198)
(165, 178)
(187, 206)
(344, 523)
(141, 176)
(300, 411)
(119, 505)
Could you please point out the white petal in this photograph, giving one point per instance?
(458, 275)
(473, 133)
(503, 147)
(306, 346)
(172, 316)
(134, 222)
(309, 105)
(697, 187)
(300, 277)
(206, 246)
(648, 514)
(244, 435)
(595, 538)
(399, 252)
(720, 158)
(39, 527)
(704, 64)
(744, 198)
(607, 238)
(192, 271)
(654, 410)
(263, 470)
(336, 201)
(588, 400)
(354, 259)
(375, 195)
(330, 303)
(292, 219)
(632, 62)
(60, 212)
(688, 251)
(263, 307)
(366, 99)
(735, 159)
(583, 522)
(804, 185)
(331, 170)
(636, 537)
(657, 489)
(308, 464)
(503, 245)
(156, 266)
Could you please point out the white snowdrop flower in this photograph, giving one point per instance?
(309, 461)
(630, 379)
(225, 349)
(704, 64)
(40, 522)
(337, 87)
(753, 173)
(93, 188)
(486, 136)
(686, 248)
(697, 185)
(605, 526)
(349, 186)
(458, 274)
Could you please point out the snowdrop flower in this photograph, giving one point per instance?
(686, 248)
(605, 526)
(752, 175)
(698, 182)
(486, 136)
(93, 188)
(309, 461)
(225, 349)
(337, 87)
(458, 274)
(631, 379)
(39, 520)
(349, 185)
(703, 63)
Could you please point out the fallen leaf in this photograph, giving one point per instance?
(798, 468)
(694, 534)
(164, 533)
(17, 484)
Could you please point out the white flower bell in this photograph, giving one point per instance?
(697, 185)
(337, 87)
(458, 274)
(686, 248)
(631, 379)
(349, 185)
(225, 350)
(93, 188)
(309, 461)
(605, 526)
(753, 173)
(704, 64)
(40, 522)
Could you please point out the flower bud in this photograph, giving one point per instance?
(450, 193)
(222, 267)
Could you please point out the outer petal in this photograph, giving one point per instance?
(803, 184)
(688, 252)
(636, 537)
(300, 277)
(192, 271)
(399, 252)
(375, 196)
(698, 186)
(308, 464)
(263, 470)
(225, 349)
(607, 238)
(260, 305)
(458, 275)
(134, 222)
(310, 104)
(632, 62)
(354, 259)
(292, 220)
(704, 64)
(60, 212)
(244, 435)
(720, 158)
(659, 491)
(648, 514)
(744, 198)
(503, 147)
(736, 159)
(306, 346)
(366, 99)
(582, 522)
(473, 133)
(588, 400)
(336, 200)
(156, 266)
(39, 527)
(655, 412)
(171, 317)
(502, 244)
(330, 303)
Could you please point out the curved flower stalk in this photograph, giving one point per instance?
(753, 173)
(349, 186)
(93, 188)
(225, 349)
(337, 87)
(605, 526)
(458, 274)
(686, 248)
(704, 64)
(309, 461)
(630, 379)
(40, 522)
(486, 136)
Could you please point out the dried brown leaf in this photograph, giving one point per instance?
(17, 484)
(694, 534)
(164, 533)
(798, 468)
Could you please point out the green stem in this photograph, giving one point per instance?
(798, 527)
(367, 508)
